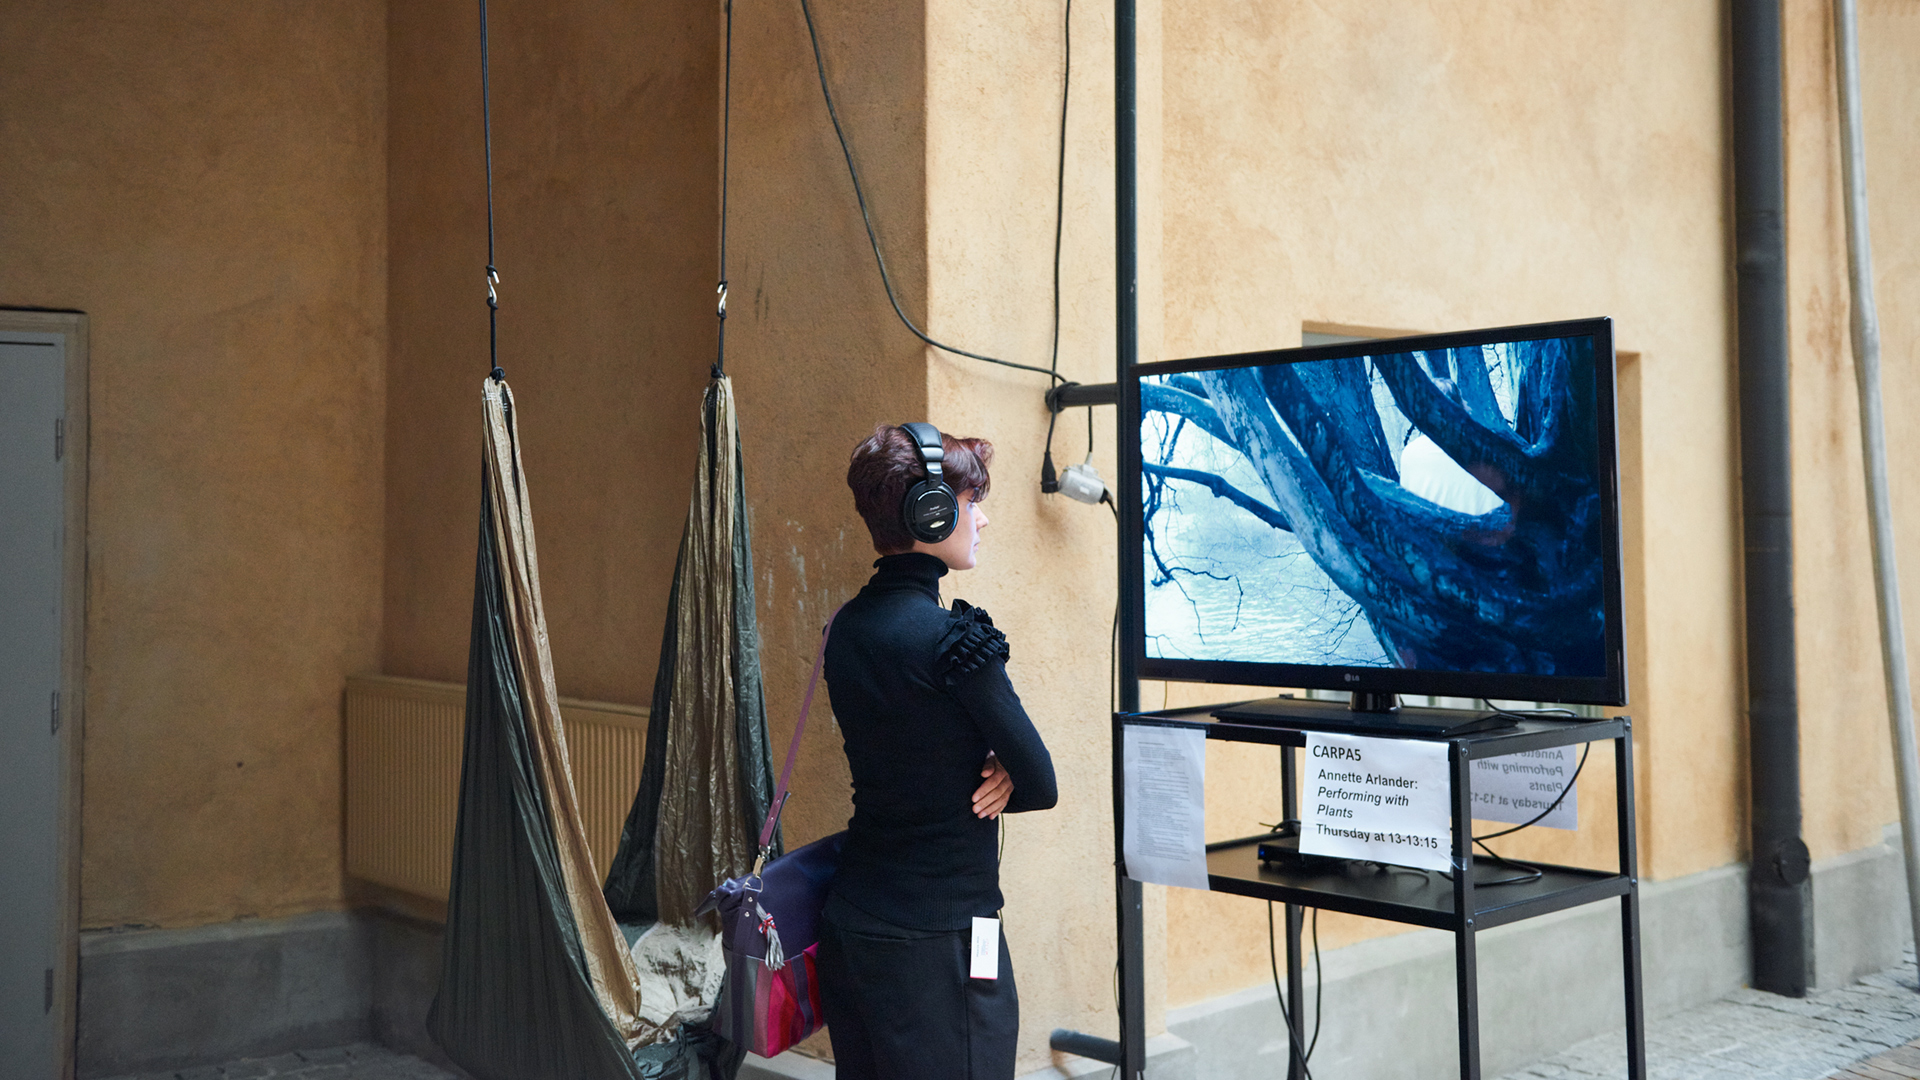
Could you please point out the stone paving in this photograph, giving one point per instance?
(361, 1061)
(1854, 1033)
(1758, 1036)
(1899, 1063)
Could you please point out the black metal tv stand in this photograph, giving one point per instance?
(1463, 906)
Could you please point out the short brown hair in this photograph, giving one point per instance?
(886, 464)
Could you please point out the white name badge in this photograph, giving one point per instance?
(986, 949)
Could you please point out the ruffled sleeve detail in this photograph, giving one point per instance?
(971, 643)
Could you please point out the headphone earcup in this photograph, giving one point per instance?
(931, 511)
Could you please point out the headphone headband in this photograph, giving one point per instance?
(931, 510)
(926, 440)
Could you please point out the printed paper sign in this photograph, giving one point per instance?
(1517, 787)
(1164, 773)
(1384, 800)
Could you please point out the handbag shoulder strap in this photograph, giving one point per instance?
(793, 750)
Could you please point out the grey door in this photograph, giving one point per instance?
(32, 393)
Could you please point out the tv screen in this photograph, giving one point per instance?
(1431, 515)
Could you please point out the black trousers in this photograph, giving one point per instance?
(902, 1007)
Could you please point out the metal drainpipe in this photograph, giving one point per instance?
(1873, 447)
(1780, 901)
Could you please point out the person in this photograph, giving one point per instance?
(939, 747)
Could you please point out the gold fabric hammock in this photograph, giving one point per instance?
(708, 777)
(615, 983)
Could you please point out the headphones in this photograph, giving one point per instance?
(931, 510)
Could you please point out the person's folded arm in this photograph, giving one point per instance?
(990, 699)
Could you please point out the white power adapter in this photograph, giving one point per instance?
(1082, 483)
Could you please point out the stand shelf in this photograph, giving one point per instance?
(1413, 897)
(1418, 897)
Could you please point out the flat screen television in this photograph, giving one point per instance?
(1422, 515)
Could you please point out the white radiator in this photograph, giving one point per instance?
(403, 741)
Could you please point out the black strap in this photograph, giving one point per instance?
(493, 275)
(726, 143)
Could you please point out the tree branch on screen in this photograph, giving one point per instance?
(1517, 588)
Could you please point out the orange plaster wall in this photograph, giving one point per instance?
(206, 181)
(1047, 568)
(816, 353)
(1890, 80)
(1847, 770)
(606, 171)
(1430, 165)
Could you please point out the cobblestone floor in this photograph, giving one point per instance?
(361, 1061)
(1899, 1063)
(1757, 1036)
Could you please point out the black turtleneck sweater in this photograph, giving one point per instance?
(921, 695)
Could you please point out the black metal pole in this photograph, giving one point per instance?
(1630, 905)
(1780, 901)
(1466, 963)
(1296, 1016)
(1126, 241)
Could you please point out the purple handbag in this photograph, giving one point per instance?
(770, 924)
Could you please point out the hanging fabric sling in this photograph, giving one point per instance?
(537, 982)
(708, 777)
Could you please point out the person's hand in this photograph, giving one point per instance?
(991, 797)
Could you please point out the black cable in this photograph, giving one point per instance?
(726, 146)
(1049, 480)
(866, 218)
(1528, 871)
(493, 275)
(1551, 807)
(1528, 714)
(1273, 963)
(1319, 987)
(1060, 178)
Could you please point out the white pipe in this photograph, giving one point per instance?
(1873, 445)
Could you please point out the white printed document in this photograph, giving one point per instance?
(1164, 776)
(1517, 788)
(1384, 800)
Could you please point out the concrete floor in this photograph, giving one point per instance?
(360, 1061)
(1867, 1030)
